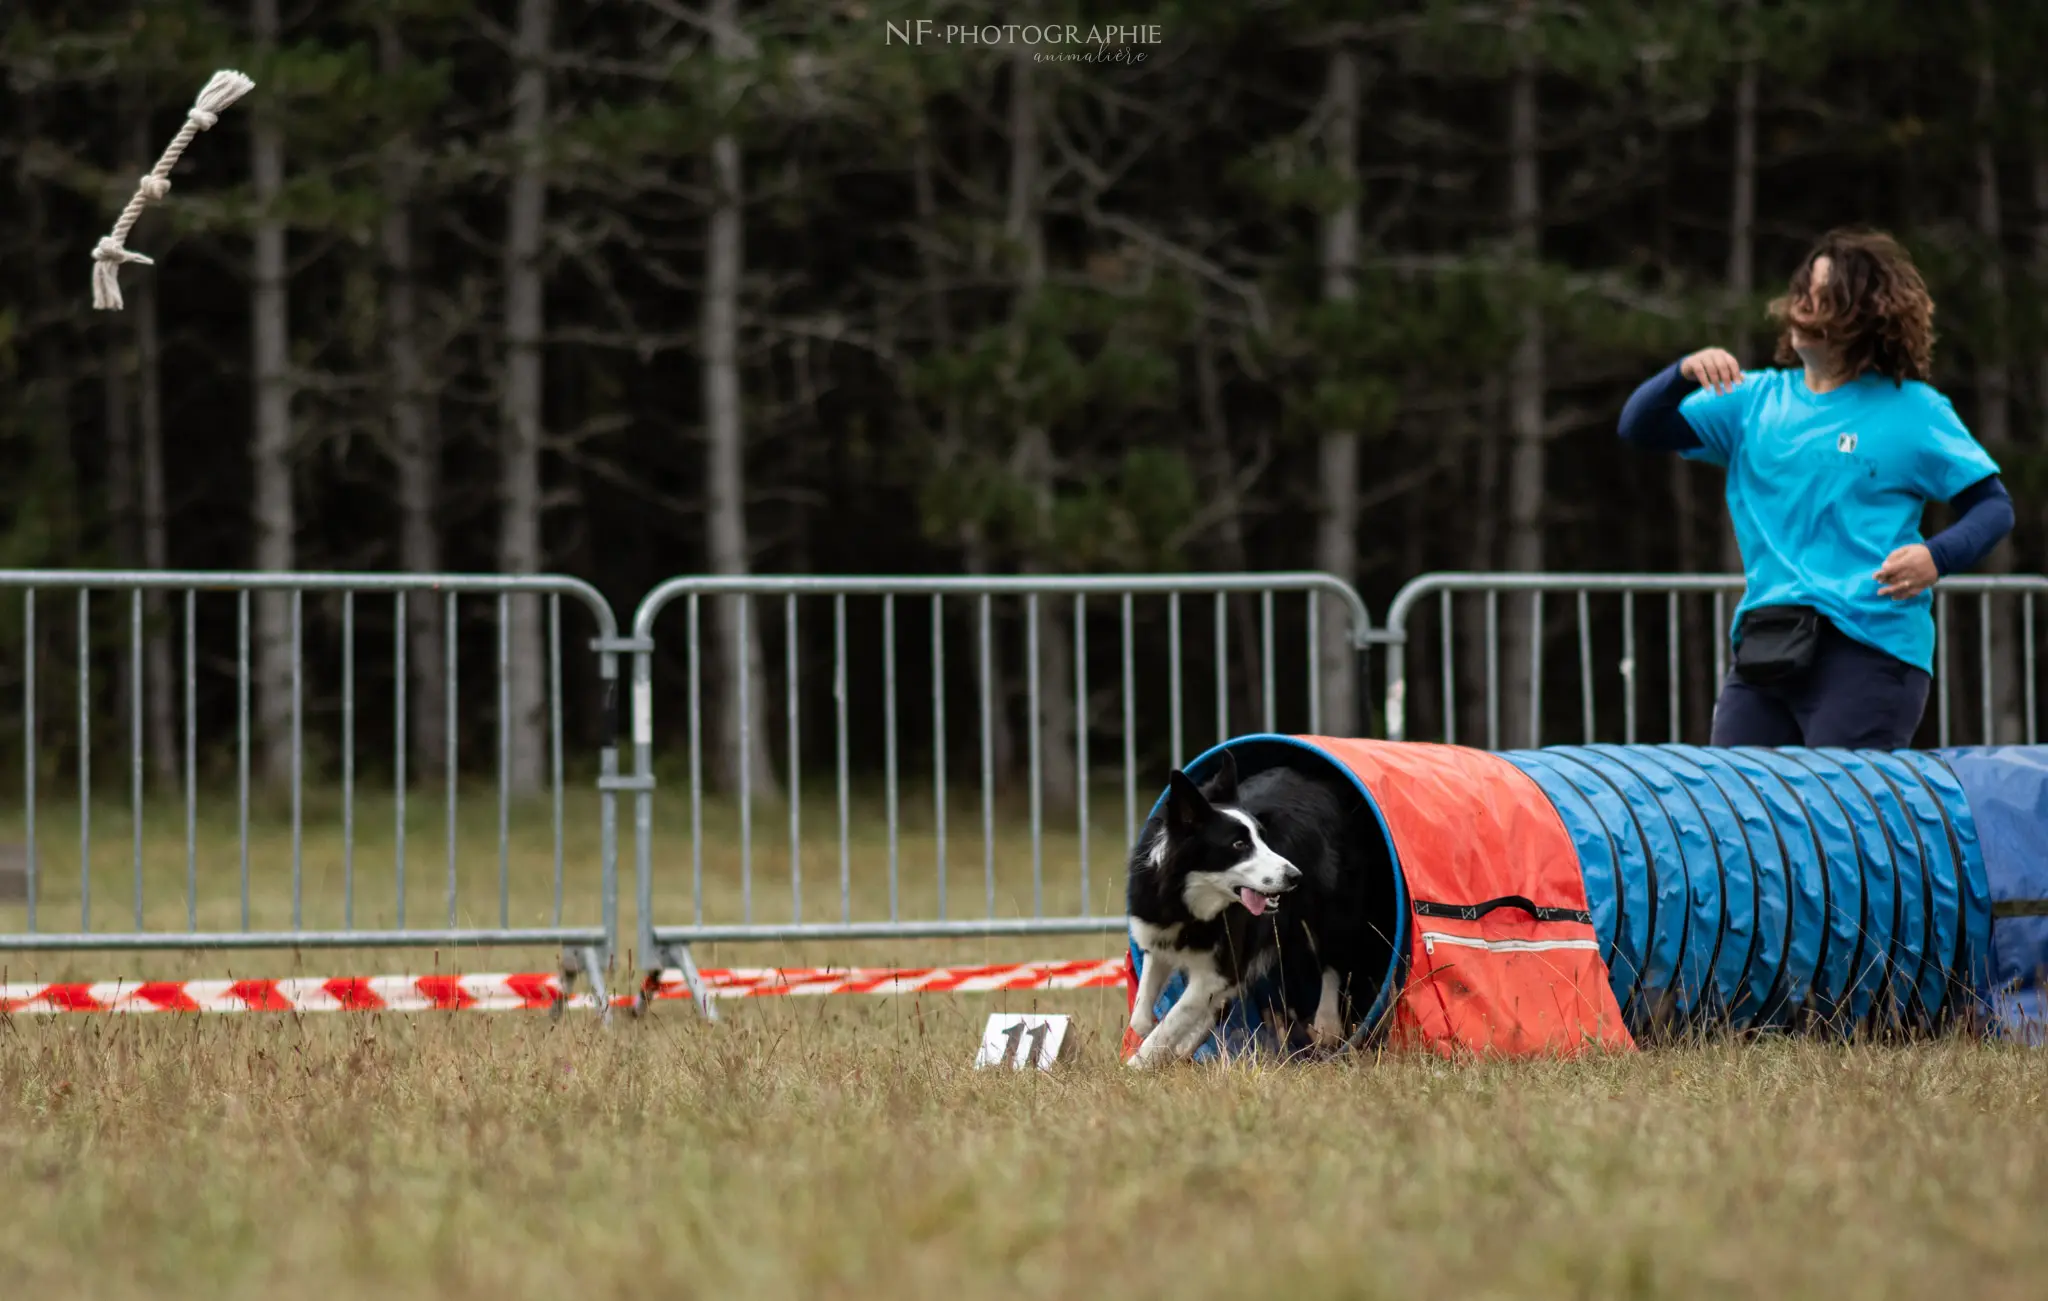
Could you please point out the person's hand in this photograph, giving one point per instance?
(1907, 572)
(1714, 368)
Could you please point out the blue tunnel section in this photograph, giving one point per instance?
(2007, 792)
(1812, 889)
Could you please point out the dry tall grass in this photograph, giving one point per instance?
(843, 1148)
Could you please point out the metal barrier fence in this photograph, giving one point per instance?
(1620, 662)
(206, 664)
(862, 678)
(1062, 663)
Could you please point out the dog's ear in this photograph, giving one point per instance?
(1221, 788)
(1185, 804)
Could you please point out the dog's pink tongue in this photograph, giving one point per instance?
(1253, 900)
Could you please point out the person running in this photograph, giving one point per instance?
(1831, 461)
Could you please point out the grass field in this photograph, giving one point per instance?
(843, 1148)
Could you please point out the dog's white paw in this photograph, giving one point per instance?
(1148, 1054)
(1143, 1023)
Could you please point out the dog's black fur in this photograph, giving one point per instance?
(1338, 916)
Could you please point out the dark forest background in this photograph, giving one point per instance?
(636, 288)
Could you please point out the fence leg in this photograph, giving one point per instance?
(593, 967)
(700, 993)
(587, 961)
(679, 957)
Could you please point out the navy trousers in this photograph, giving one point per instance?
(1852, 695)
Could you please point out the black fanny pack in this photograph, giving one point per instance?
(1774, 642)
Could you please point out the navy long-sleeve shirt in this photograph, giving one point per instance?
(1984, 511)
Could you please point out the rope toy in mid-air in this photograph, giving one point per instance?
(225, 88)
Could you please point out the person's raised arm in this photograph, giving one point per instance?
(1650, 419)
(1658, 418)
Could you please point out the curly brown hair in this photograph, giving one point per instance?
(1873, 307)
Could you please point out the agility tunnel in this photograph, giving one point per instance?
(1554, 900)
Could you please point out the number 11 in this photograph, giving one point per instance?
(1013, 1043)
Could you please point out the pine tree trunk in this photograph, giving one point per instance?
(1525, 404)
(1700, 690)
(273, 512)
(163, 699)
(1337, 460)
(1470, 640)
(1741, 257)
(972, 541)
(520, 548)
(415, 449)
(120, 511)
(2040, 101)
(1024, 228)
(1231, 552)
(1697, 687)
(120, 408)
(725, 471)
(1002, 737)
(1994, 396)
(1684, 526)
(1424, 707)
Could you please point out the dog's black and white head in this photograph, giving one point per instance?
(1212, 854)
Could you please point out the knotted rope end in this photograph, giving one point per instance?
(107, 258)
(226, 87)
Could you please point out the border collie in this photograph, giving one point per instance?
(1237, 879)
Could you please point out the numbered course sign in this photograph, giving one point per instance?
(1018, 1041)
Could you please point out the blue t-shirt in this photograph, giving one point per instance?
(1823, 486)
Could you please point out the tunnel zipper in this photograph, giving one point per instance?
(1430, 938)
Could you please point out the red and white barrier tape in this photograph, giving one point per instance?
(539, 990)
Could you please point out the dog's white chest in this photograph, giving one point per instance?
(1154, 939)
(1162, 945)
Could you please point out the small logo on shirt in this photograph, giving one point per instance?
(1845, 442)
